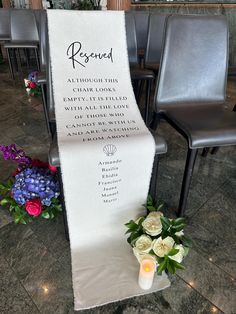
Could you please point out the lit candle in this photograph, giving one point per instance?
(146, 273)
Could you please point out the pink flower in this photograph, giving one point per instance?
(34, 207)
(52, 168)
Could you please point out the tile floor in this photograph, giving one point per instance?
(35, 273)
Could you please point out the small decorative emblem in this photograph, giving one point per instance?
(109, 149)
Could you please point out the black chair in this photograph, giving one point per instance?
(24, 34)
(141, 19)
(156, 30)
(138, 74)
(190, 93)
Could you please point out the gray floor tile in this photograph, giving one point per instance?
(23, 250)
(13, 297)
(210, 281)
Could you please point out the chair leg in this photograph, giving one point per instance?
(155, 121)
(234, 108)
(10, 64)
(205, 151)
(139, 90)
(147, 100)
(153, 182)
(214, 150)
(37, 59)
(188, 172)
(63, 205)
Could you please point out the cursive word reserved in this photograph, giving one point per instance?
(78, 56)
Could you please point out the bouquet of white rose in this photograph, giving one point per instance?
(158, 238)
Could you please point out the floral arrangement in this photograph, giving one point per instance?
(33, 189)
(158, 238)
(31, 84)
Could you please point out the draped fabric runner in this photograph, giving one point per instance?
(106, 152)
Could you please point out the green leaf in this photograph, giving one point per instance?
(45, 215)
(162, 267)
(160, 207)
(4, 201)
(178, 221)
(17, 218)
(151, 208)
(3, 187)
(132, 225)
(178, 265)
(165, 222)
(7, 200)
(178, 227)
(186, 241)
(171, 267)
(149, 200)
(141, 221)
(173, 251)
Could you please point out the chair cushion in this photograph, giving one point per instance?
(204, 125)
(54, 160)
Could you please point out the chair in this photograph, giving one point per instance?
(137, 73)
(4, 25)
(24, 34)
(53, 155)
(190, 92)
(141, 19)
(155, 36)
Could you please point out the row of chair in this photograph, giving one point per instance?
(190, 88)
(20, 30)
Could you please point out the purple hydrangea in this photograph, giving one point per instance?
(33, 77)
(35, 183)
(18, 155)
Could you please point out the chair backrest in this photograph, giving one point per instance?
(141, 24)
(131, 38)
(42, 39)
(50, 99)
(156, 29)
(5, 24)
(23, 26)
(194, 62)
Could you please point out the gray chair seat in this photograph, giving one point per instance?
(201, 131)
(21, 44)
(54, 160)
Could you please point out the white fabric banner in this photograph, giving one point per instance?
(106, 152)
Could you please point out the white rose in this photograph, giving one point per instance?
(144, 243)
(161, 246)
(155, 214)
(152, 224)
(180, 255)
(141, 256)
(179, 233)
